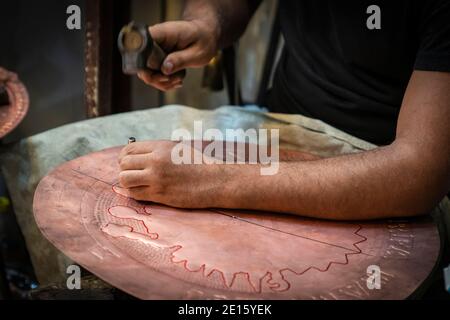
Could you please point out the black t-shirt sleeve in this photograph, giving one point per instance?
(434, 37)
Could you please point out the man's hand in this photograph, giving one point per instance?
(149, 174)
(192, 43)
(207, 26)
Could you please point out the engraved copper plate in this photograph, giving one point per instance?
(155, 252)
(12, 113)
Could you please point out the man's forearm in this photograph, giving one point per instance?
(229, 18)
(406, 178)
(386, 182)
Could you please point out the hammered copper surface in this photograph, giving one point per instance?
(14, 112)
(156, 252)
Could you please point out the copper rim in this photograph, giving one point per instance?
(12, 115)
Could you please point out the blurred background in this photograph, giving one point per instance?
(73, 75)
(50, 59)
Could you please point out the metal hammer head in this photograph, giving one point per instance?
(135, 45)
(139, 51)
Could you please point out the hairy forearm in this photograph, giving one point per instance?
(228, 18)
(406, 178)
(386, 182)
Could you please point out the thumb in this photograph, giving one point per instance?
(179, 60)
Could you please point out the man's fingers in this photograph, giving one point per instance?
(155, 77)
(173, 35)
(165, 34)
(143, 147)
(139, 193)
(135, 148)
(134, 162)
(133, 178)
(160, 81)
(180, 60)
(147, 78)
(150, 77)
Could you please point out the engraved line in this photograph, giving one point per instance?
(273, 286)
(285, 232)
(97, 179)
(254, 223)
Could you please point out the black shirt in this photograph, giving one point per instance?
(334, 68)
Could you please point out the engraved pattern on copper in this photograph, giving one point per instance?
(155, 252)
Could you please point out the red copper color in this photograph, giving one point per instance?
(14, 112)
(156, 252)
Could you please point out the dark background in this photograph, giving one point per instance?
(48, 57)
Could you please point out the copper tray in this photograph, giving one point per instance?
(155, 252)
(14, 112)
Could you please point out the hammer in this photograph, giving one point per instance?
(139, 51)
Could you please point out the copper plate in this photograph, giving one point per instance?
(155, 252)
(13, 113)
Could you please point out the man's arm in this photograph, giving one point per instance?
(230, 16)
(206, 27)
(406, 178)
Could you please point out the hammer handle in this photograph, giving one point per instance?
(156, 58)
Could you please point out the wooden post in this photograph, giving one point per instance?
(107, 90)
